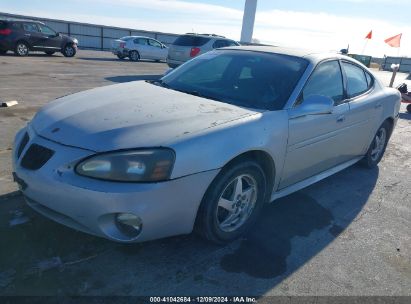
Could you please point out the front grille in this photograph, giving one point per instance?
(36, 156)
(23, 144)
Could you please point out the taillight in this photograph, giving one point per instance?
(5, 32)
(194, 51)
(122, 45)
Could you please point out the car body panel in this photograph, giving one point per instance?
(146, 51)
(205, 135)
(35, 39)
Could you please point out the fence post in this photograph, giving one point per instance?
(102, 38)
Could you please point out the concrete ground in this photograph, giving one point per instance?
(346, 235)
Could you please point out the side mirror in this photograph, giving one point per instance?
(313, 105)
(168, 71)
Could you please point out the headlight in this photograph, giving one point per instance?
(75, 41)
(129, 166)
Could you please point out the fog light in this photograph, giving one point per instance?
(129, 224)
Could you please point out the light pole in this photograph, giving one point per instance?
(250, 9)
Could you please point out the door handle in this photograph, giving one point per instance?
(341, 118)
(377, 106)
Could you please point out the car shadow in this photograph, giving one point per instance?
(40, 257)
(39, 54)
(128, 78)
(406, 116)
(118, 60)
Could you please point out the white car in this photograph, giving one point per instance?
(139, 47)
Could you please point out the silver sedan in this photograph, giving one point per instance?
(205, 147)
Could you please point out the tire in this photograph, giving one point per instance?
(409, 108)
(69, 51)
(50, 53)
(3, 52)
(214, 221)
(134, 56)
(377, 148)
(121, 57)
(21, 49)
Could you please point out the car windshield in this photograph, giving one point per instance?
(244, 78)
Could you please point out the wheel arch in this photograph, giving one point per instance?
(266, 162)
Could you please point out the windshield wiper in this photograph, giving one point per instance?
(198, 94)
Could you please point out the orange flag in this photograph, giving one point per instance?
(369, 36)
(394, 41)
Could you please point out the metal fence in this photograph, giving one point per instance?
(93, 36)
(404, 62)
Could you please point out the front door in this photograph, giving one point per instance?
(32, 34)
(50, 39)
(315, 141)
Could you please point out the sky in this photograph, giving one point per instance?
(320, 25)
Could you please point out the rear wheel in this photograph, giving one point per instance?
(69, 51)
(409, 108)
(134, 56)
(2, 52)
(377, 148)
(232, 203)
(49, 53)
(22, 49)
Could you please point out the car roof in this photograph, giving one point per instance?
(20, 20)
(312, 56)
(206, 35)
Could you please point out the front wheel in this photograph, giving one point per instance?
(409, 108)
(377, 148)
(22, 49)
(232, 202)
(69, 51)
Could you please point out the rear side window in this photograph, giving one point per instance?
(141, 41)
(188, 40)
(30, 27)
(3, 25)
(17, 26)
(326, 80)
(220, 44)
(356, 80)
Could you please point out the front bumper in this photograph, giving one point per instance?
(55, 190)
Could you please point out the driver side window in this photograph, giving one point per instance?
(326, 80)
(46, 30)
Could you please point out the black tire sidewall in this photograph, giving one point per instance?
(367, 160)
(207, 224)
(17, 45)
(137, 56)
(409, 108)
(65, 51)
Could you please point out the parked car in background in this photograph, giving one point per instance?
(139, 47)
(23, 36)
(204, 147)
(191, 45)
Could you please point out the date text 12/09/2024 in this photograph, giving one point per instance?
(202, 300)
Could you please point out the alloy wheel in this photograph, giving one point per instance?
(379, 144)
(236, 203)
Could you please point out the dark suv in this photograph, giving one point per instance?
(23, 36)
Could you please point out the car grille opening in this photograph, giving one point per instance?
(23, 144)
(36, 156)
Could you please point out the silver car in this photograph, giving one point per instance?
(189, 46)
(205, 147)
(139, 47)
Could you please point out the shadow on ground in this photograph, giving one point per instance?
(128, 78)
(40, 257)
(119, 60)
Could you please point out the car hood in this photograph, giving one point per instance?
(131, 115)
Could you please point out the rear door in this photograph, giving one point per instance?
(365, 107)
(32, 35)
(315, 141)
(141, 45)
